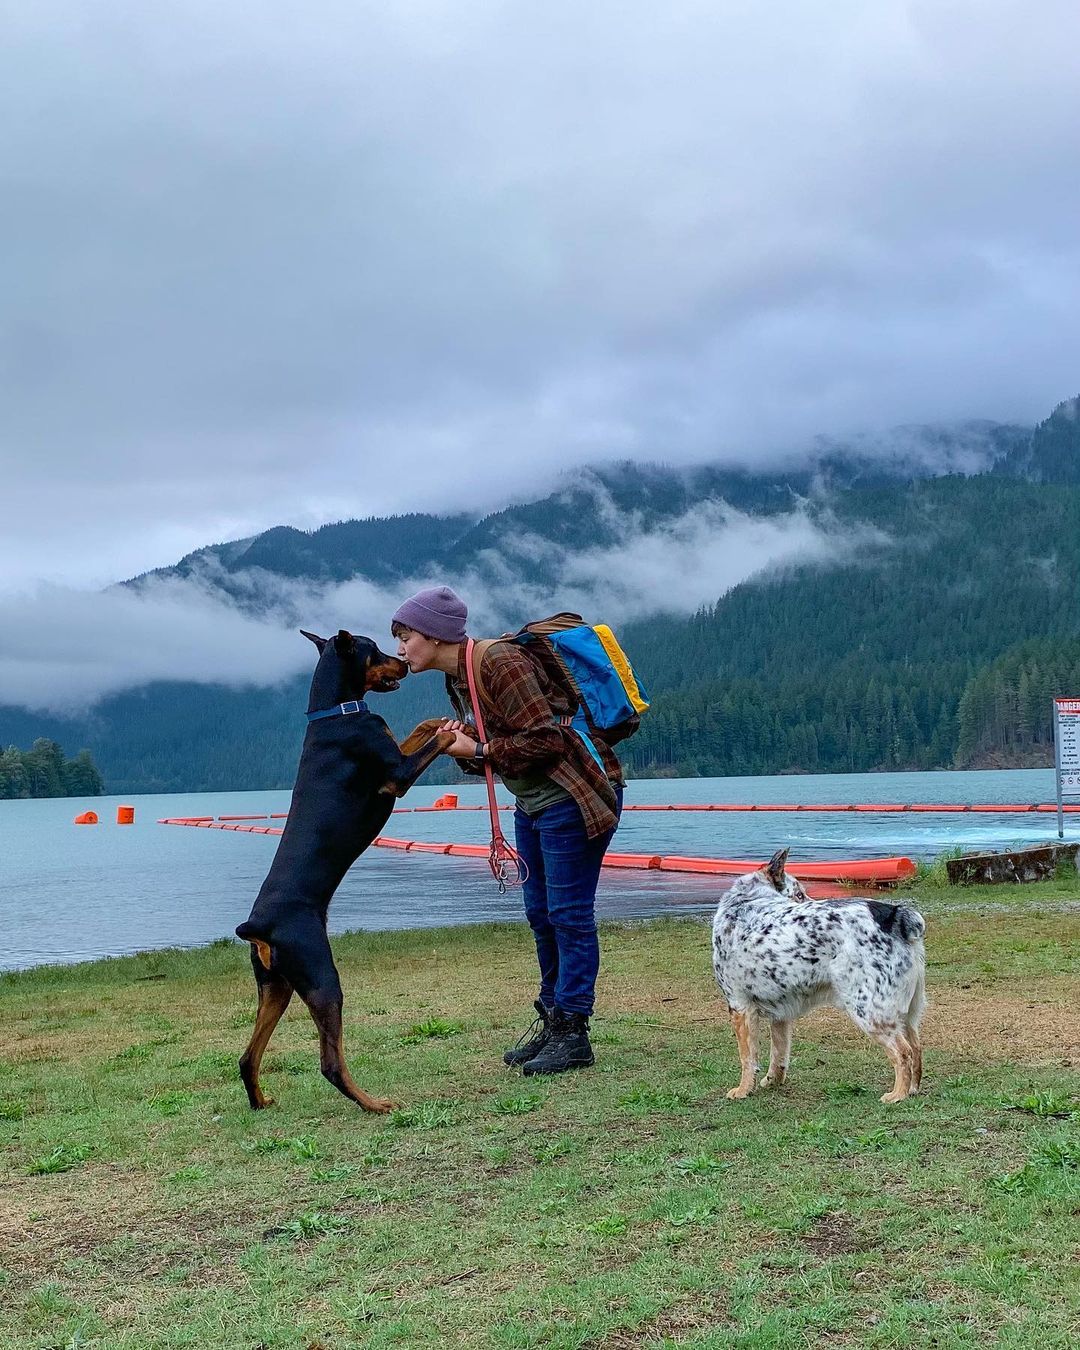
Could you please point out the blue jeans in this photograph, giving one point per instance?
(560, 901)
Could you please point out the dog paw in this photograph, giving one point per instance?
(382, 1106)
(891, 1098)
(772, 1080)
(736, 1094)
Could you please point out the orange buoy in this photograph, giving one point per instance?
(125, 815)
(447, 802)
(87, 818)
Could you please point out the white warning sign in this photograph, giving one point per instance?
(1068, 745)
(1066, 753)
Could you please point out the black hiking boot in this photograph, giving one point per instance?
(567, 1048)
(532, 1040)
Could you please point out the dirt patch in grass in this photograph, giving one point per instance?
(835, 1235)
(1006, 1026)
(990, 1024)
(999, 988)
(702, 1313)
(46, 1223)
(996, 1025)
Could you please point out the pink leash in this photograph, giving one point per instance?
(506, 867)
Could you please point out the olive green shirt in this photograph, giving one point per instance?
(535, 791)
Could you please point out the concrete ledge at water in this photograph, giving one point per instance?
(1018, 865)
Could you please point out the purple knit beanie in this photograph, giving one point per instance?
(436, 612)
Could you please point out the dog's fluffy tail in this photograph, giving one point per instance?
(917, 1006)
(910, 924)
(897, 920)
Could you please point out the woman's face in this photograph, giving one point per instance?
(418, 650)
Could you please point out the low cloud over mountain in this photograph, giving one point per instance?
(64, 649)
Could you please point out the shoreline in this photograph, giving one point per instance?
(1057, 896)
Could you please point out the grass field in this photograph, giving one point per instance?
(630, 1205)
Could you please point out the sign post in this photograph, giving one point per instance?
(1066, 752)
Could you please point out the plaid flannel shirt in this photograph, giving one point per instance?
(525, 736)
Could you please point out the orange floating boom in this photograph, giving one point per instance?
(871, 870)
(989, 808)
(878, 871)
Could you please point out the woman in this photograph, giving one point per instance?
(567, 811)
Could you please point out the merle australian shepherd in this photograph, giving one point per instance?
(777, 954)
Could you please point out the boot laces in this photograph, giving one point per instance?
(529, 1032)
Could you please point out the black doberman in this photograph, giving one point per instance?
(350, 773)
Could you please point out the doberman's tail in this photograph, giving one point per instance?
(259, 942)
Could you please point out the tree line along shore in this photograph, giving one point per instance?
(45, 771)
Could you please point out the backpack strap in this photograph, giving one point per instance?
(557, 623)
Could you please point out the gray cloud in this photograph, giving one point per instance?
(290, 263)
(63, 649)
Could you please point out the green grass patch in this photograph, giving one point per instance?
(629, 1205)
(62, 1158)
(518, 1104)
(434, 1028)
(933, 875)
(1049, 1104)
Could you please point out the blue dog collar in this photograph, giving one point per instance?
(339, 710)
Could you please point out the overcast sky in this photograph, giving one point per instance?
(289, 262)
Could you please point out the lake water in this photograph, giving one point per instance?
(71, 893)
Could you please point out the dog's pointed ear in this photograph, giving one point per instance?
(774, 868)
(344, 642)
(314, 637)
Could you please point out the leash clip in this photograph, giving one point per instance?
(507, 867)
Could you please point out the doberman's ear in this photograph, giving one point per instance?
(774, 868)
(314, 637)
(344, 642)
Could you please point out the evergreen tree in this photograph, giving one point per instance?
(42, 771)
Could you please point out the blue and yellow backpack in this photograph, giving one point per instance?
(586, 664)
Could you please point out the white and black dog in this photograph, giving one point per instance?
(778, 954)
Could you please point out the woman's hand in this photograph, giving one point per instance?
(464, 744)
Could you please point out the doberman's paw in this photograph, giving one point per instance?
(381, 1106)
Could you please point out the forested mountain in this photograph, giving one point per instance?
(936, 639)
(378, 549)
(867, 665)
(1051, 454)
